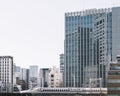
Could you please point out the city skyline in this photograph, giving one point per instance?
(32, 31)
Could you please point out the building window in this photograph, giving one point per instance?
(52, 75)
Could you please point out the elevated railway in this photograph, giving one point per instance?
(38, 91)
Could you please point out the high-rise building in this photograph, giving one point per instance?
(18, 72)
(91, 41)
(21, 77)
(44, 77)
(17, 68)
(33, 71)
(33, 76)
(25, 77)
(6, 73)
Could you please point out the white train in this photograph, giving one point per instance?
(66, 90)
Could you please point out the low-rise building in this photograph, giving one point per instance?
(113, 82)
(55, 77)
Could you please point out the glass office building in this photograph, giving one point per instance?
(92, 40)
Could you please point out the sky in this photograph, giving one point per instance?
(32, 31)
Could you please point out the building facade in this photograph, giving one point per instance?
(33, 76)
(18, 71)
(62, 66)
(25, 78)
(44, 77)
(55, 78)
(113, 83)
(62, 63)
(91, 42)
(6, 73)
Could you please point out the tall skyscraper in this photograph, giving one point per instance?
(6, 73)
(91, 41)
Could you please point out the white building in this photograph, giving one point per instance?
(6, 73)
(55, 77)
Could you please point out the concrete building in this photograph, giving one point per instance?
(55, 77)
(44, 77)
(91, 41)
(33, 76)
(113, 84)
(6, 73)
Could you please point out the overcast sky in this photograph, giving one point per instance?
(32, 31)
